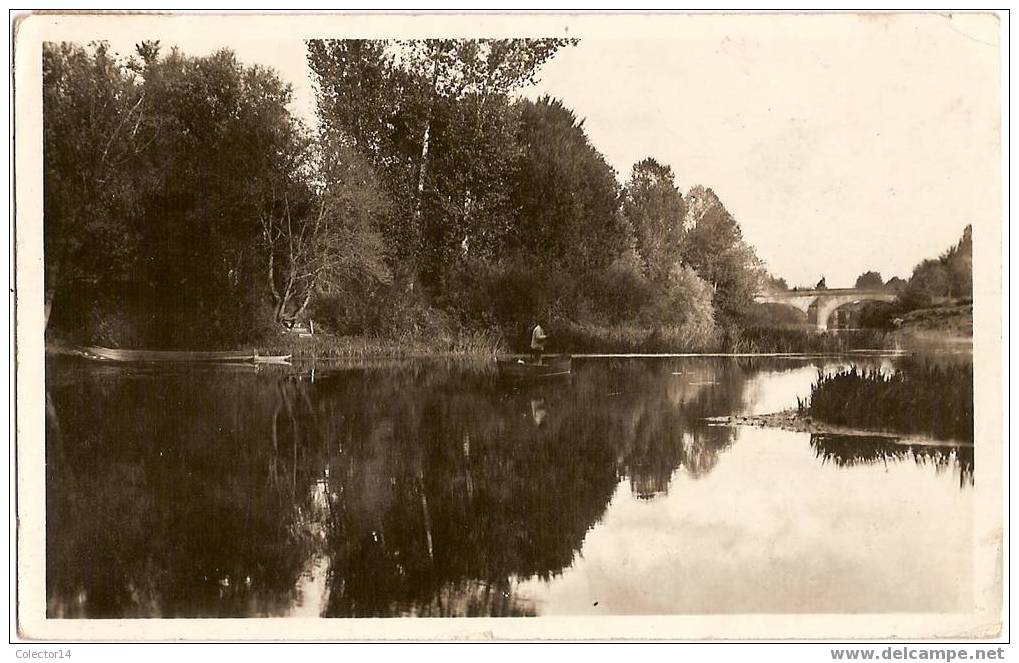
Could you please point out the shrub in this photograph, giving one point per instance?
(685, 302)
(619, 293)
(509, 297)
(577, 337)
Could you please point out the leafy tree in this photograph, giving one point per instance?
(714, 247)
(222, 137)
(328, 243)
(622, 293)
(950, 275)
(655, 210)
(869, 280)
(455, 69)
(686, 301)
(465, 210)
(565, 194)
(175, 185)
(959, 262)
(775, 283)
(94, 112)
(365, 101)
(433, 116)
(930, 279)
(895, 284)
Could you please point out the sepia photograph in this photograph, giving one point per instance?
(583, 326)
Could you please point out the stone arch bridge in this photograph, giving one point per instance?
(820, 304)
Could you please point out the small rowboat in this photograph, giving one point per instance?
(550, 366)
(115, 354)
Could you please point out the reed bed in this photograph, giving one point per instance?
(575, 337)
(783, 339)
(919, 398)
(629, 338)
(463, 344)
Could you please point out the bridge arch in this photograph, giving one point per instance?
(828, 305)
(820, 304)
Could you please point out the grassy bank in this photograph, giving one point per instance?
(928, 399)
(446, 339)
(945, 321)
(566, 338)
(466, 344)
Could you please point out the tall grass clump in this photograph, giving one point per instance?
(928, 399)
(636, 338)
(763, 339)
(465, 343)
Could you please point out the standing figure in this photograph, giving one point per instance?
(538, 337)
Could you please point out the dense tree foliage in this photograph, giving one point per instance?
(564, 193)
(775, 283)
(935, 281)
(435, 119)
(225, 151)
(714, 247)
(895, 284)
(869, 279)
(655, 210)
(92, 115)
(333, 246)
(187, 206)
(949, 276)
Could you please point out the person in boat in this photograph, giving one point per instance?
(538, 337)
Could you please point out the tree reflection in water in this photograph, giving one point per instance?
(420, 488)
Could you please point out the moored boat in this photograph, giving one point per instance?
(117, 354)
(550, 366)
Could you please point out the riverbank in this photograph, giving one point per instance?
(947, 321)
(575, 339)
(565, 338)
(753, 339)
(328, 346)
(467, 344)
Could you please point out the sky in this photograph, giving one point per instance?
(841, 143)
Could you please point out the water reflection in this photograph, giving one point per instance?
(419, 488)
(772, 530)
(849, 450)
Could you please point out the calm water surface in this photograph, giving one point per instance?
(428, 488)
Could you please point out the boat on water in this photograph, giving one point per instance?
(116, 354)
(521, 369)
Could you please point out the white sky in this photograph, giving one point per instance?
(841, 143)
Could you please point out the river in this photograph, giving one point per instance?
(431, 488)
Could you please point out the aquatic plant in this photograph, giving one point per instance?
(920, 397)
